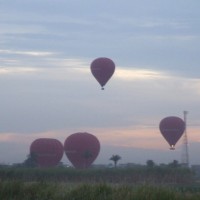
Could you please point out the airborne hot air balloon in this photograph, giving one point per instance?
(48, 151)
(102, 69)
(172, 128)
(81, 149)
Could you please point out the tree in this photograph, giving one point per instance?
(174, 164)
(31, 160)
(115, 159)
(150, 163)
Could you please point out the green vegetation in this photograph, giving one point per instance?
(31, 160)
(139, 182)
(15, 190)
(141, 174)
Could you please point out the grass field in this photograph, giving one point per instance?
(98, 184)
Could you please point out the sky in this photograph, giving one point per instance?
(47, 89)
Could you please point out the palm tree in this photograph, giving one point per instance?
(115, 159)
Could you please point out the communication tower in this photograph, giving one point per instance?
(185, 154)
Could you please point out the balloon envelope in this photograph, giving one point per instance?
(81, 149)
(48, 151)
(172, 128)
(102, 69)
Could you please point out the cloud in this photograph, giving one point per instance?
(134, 74)
(26, 53)
(46, 64)
(68, 95)
(19, 70)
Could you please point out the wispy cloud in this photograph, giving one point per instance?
(18, 70)
(134, 74)
(28, 53)
(157, 23)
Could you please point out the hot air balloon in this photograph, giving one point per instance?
(81, 149)
(172, 128)
(102, 69)
(48, 152)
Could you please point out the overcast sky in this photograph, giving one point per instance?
(47, 89)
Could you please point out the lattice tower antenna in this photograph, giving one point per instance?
(185, 154)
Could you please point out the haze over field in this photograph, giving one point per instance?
(47, 89)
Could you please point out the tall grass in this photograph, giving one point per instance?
(124, 175)
(15, 190)
(98, 184)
